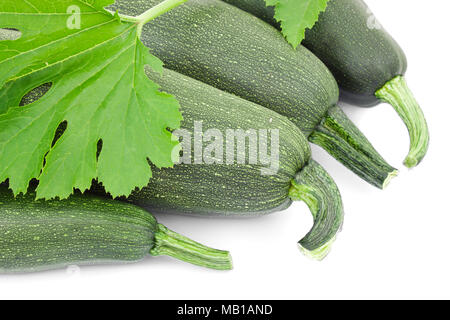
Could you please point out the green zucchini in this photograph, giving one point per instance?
(232, 50)
(200, 186)
(43, 235)
(210, 185)
(366, 61)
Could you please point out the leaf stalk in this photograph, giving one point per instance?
(157, 11)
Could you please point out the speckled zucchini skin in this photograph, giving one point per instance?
(259, 66)
(361, 54)
(211, 189)
(39, 235)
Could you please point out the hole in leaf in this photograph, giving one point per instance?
(99, 147)
(35, 94)
(9, 34)
(59, 132)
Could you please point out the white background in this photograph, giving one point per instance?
(395, 244)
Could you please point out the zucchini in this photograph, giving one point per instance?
(366, 61)
(232, 50)
(203, 185)
(237, 189)
(40, 235)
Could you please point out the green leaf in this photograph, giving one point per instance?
(99, 87)
(296, 16)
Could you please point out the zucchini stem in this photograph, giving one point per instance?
(314, 186)
(339, 136)
(172, 244)
(397, 94)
